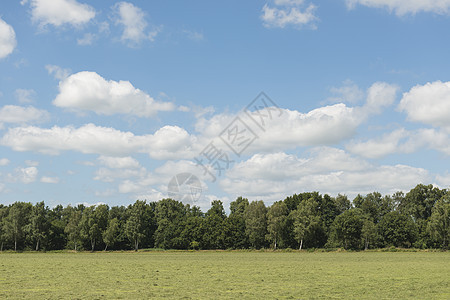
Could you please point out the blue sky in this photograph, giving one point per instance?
(105, 101)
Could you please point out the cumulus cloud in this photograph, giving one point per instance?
(24, 175)
(24, 96)
(22, 115)
(328, 170)
(288, 13)
(88, 91)
(169, 142)
(119, 162)
(61, 12)
(4, 162)
(87, 39)
(404, 7)
(46, 179)
(401, 141)
(325, 125)
(7, 39)
(134, 24)
(349, 92)
(58, 72)
(428, 104)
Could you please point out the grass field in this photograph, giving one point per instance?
(209, 274)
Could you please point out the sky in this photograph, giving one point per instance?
(109, 102)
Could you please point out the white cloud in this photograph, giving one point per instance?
(24, 175)
(58, 72)
(428, 104)
(7, 39)
(404, 7)
(132, 18)
(379, 147)
(288, 12)
(274, 176)
(87, 39)
(349, 92)
(169, 142)
(89, 91)
(24, 96)
(4, 162)
(325, 125)
(380, 95)
(194, 35)
(31, 163)
(46, 179)
(119, 162)
(108, 175)
(61, 12)
(22, 115)
(401, 141)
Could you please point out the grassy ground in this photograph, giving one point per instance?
(209, 274)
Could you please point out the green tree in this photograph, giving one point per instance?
(73, 228)
(16, 221)
(135, 225)
(235, 225)
(256, 223)
(170, 218)
(276, 220)
(439, 225)
(368, 232)
(111, 234)
(38, 224)
(346, 229)
(306, 220)
(397, 230)
(342, 203)
(214, 229)
(419, 202)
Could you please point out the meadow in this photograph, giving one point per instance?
(225, 275)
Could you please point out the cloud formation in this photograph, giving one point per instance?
(88, 91)
(60, 12)
(288, 13)
(428, 104)
(404, 7)
(7, 39)
(132, 19)
(169, 142)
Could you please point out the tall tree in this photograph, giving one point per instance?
(368, 232)
(439, 225)
(346, 229)
(135, 225)
(38, 225)
(306, 220)
(256, 223)
(73, 228)
(397, 230)
(15, 222)
(276, 220)
(235, 225)
(111, 234)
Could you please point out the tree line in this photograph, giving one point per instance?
(419, 219)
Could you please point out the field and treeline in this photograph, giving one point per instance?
(417, 219)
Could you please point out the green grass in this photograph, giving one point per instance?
(210, 274)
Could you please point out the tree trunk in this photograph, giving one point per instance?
(75, 246)
(106, 247)
(93, 245)
(366, 244)
(15, 244)
(37, 245)
(301, 244)
(136, 245)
